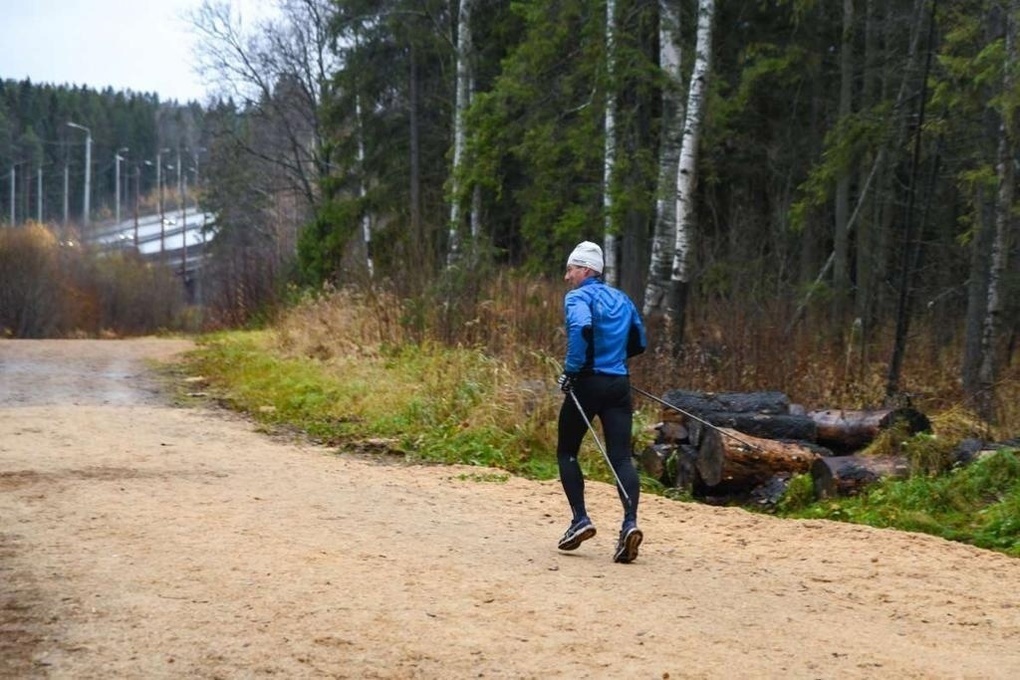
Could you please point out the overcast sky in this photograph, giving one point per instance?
(141, 45)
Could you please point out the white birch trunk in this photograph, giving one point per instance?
(664, 235)
(680, 275)
(609, 241)
(366, 220)
(1003, 226)
(459, 135)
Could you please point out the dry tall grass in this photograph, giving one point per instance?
(517, 321)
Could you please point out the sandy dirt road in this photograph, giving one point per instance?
(140, 540)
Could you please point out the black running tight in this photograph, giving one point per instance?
(608, 398)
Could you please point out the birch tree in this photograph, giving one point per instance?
(609, 240)
(664, 235)
(463, 101)
(1004, 219)
(680, 276)
(366, 217)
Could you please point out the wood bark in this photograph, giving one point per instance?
(841, 238)
(977, 297)
(463, 101)
(680, 277)
(1004, 226)
(670, 61)
(366, 219)
(700, 403)
(769, 415)
(846, 430)
(779, 426)
(753, 454)
(610, 269)
(654, 458)
(732, 462)
(835, 476)
(414, 136)
(911, 243)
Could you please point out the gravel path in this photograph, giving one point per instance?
(139, 540)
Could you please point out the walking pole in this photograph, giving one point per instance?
(605, 455)
(694, 417)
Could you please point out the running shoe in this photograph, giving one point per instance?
(580, 531)
(627, 546)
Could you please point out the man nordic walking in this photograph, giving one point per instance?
(604, 329)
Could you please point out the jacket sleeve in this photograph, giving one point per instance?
(637, 342)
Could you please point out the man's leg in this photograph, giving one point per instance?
(617, 420)
(568, 444)
(571, 432)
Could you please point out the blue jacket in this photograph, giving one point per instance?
(604, 329)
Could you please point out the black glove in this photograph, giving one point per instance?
(566, 382)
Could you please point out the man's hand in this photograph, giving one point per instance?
(566, 382)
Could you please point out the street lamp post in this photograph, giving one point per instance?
(159, 188)
(138, 188)
(66, 173)
(184, 235)
(197, 152)
(117, 158)
(88, 169)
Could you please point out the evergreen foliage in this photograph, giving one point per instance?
(34, 136)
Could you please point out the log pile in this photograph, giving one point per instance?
(747, 445)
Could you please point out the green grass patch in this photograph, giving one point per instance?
(443, 405)
(978, 504)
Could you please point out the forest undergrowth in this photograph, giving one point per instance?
(476, 384)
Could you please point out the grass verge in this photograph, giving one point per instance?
(433, 403)
(426, 403)
(977, 504)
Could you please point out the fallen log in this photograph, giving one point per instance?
(780, 426)
(849, 430)
(700, 403)
(836, 476)
(734, 466)
(675, 426)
